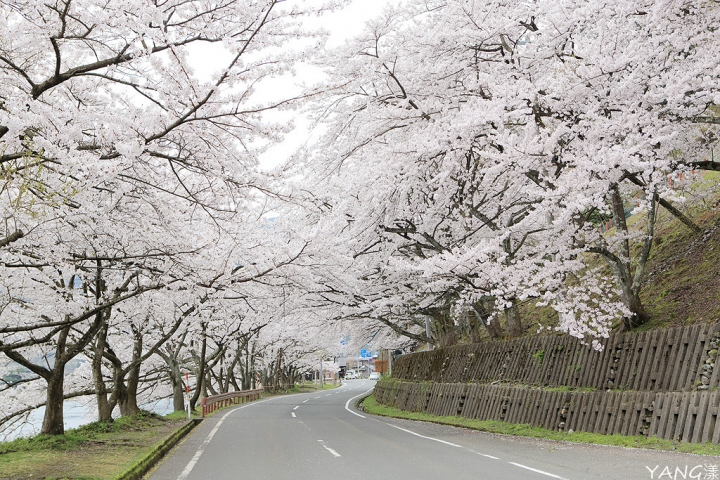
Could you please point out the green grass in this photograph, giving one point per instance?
(389, 382)
(183, 415)
(99, 450)
(370, 405)
(681, 286)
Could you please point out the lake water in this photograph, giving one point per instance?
(77, 413)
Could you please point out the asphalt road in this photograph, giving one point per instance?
(321, 436)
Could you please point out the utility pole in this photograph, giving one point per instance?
(187, 393)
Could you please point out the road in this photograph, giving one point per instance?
(320, 435)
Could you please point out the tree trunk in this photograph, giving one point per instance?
(482, 310)
(128, 403)
(639, 317)
(200, 387)
(618, 209)
(104, 409)
(178, 387)
(208, 388)
(475, 322)
(170, 356)
(234, 382)
(448, 337)
(631, 280)
(277, 370)
(53, 421)
(251, 369)
(514, 323)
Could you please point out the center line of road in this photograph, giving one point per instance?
(329, 449)
(305, 400)
(484, 455)
(537, 471)
(296, 407)
(423, 436)
(293, 414)
(316, 397)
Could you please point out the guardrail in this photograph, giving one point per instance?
(214, 402)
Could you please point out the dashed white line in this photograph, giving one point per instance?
(329, 449)
(317, 397)
(328, 394)
(293, 414)
(484, 455)
(296, 407)
(305, 400)
(423, 436)
(537, 471)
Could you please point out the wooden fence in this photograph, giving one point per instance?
(214, 402)
(682, 416)
(673, 359)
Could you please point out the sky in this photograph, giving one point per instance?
(342, 25)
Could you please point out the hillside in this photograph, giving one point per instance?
(682, 283)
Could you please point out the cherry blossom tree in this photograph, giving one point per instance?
(486, 135)
(120, 161)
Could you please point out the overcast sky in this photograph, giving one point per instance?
(342, 25)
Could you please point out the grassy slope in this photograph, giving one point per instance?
(682, 281)
(97, 450)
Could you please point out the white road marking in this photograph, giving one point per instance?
(328, 394)
(201, 449)
(293, 414)
(305, 400)
(537, 471)
(296, 407)
(484, 455)
(347, 404)
(329, 449)
(317, 397)
(423, 436)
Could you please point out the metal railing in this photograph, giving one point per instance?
(215, 402)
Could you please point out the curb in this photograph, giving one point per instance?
(360, 400)
(159, 451)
